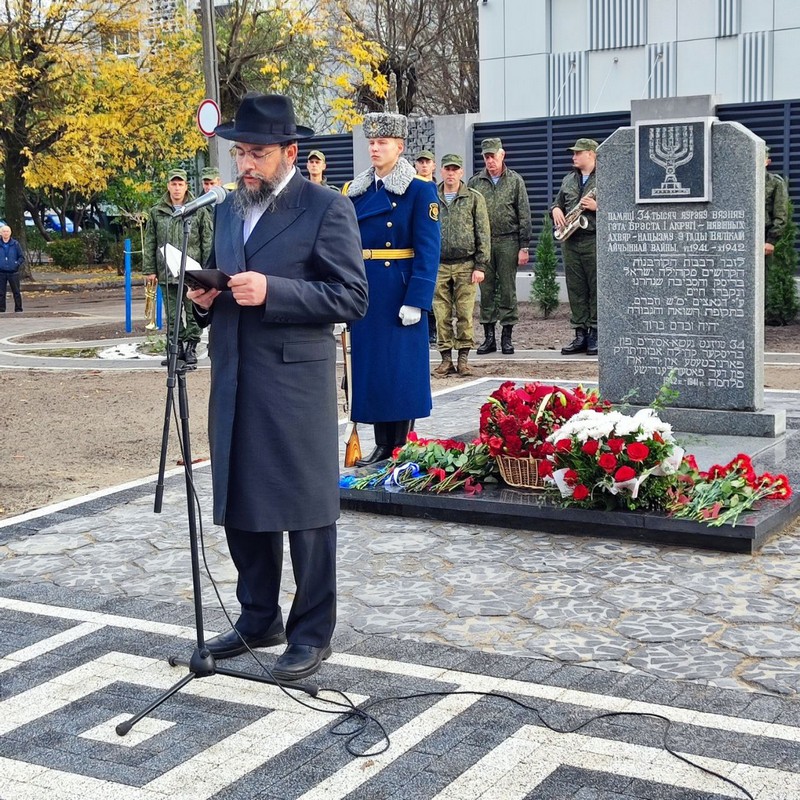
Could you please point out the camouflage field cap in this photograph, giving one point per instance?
(179, 174)
(209, 174)
(491, 145)
(425, 154)
(452, 160)
(383, 125)
(584, 144)
(318, 154)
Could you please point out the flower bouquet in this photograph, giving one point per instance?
(614, 460)
(723, 493)
(429, 465)
(515, 423)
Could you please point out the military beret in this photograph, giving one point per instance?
(425, 154)
(318, 154)
(452, 160)
(177, 174)
(584, 144)
(491, 145)
(209, 173)
(383, 125)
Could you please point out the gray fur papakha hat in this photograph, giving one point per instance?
(383, 125)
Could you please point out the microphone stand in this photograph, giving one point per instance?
(202, 663)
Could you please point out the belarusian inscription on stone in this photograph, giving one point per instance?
(672, 161)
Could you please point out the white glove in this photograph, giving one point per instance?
(339, 328)
(410, 315)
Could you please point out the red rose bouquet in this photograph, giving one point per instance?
(723, 493)
(615, 460)
(429, 465)
(517, 421)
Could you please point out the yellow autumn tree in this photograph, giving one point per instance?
(131, 116)
(44, 50)
(300, 48)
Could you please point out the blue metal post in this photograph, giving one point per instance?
(128, 292)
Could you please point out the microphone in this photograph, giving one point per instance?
(214, 196)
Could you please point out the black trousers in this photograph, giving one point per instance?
(12, 278)
(258, 557)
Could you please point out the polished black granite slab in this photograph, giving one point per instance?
(523, 509)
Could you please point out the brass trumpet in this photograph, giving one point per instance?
(150, 305)
(574, 219)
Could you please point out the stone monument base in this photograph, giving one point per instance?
(764, 424)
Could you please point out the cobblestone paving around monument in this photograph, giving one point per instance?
(95, 596)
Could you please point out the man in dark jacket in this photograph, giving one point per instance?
(580, 249)
(293, 253)
(11, 259)
(162, 229)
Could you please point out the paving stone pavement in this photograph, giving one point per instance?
(96, 595)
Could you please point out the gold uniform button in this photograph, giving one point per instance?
(387, 263)
(388, 224)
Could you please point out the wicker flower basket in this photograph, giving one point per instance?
(522, 473)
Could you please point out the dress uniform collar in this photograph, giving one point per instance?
(396, 182)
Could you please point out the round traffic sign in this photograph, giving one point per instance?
(208, 117)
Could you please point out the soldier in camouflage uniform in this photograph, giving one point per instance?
(510, 219)
(163, 228)
(776, 211)
(466, 250)
(580, 249)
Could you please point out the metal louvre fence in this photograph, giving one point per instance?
(536, 148)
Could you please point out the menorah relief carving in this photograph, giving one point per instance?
(671, 146)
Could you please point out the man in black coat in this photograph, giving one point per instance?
(293, 251)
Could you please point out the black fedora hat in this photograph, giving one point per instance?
(264, 119)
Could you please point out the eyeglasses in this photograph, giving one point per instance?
(258, 156)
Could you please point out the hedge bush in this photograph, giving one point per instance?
(67, 253)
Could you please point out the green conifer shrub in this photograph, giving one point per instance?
(544, 289)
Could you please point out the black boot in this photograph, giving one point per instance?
(506, 344)
(577, 345)
(401, 430)
(591, 342)
(190, 352)
(489, 344)
(384, 444)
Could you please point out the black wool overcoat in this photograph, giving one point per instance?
(272, 410)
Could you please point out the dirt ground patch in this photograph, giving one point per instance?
(70, 433)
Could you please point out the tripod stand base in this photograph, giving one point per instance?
(201, 665)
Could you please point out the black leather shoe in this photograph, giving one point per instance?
(228, 645)
(380, 453)
(299, 661)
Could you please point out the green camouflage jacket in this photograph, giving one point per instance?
(465, 227)
(162, 227)
(776, 207)
(507, 204)
(570, 193)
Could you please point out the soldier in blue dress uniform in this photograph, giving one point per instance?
(398, 216)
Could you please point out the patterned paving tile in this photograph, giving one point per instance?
(224, 739)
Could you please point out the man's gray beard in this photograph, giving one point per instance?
(245, 199)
